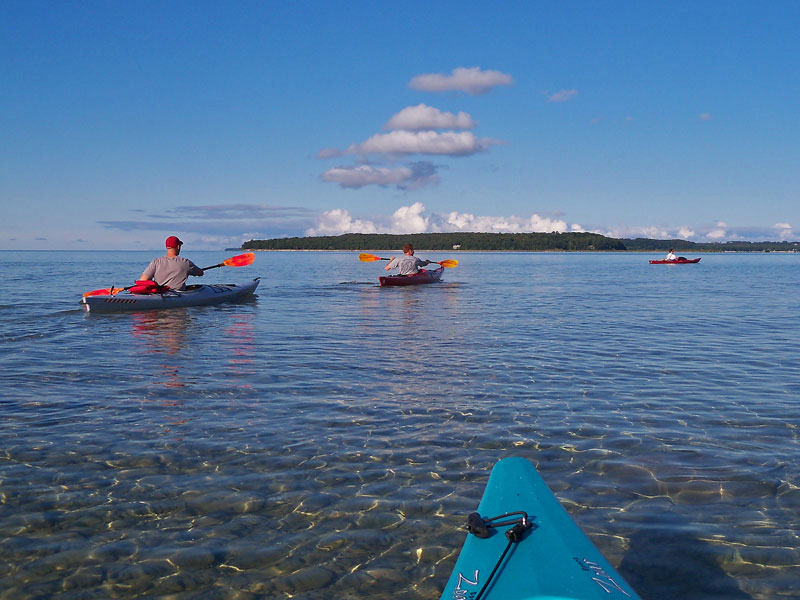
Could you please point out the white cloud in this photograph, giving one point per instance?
(329, 153)
(716, 232)
(427, 117)
(419, 129)
(562, 96)
(413, 219)
(409, 219)
(356, 177)
(456, 221)
(784, 231)
(223, 225)
(720, 232)
(412, 177)
(639, 231)
(470, 80)
(338, 221)
(447, 143)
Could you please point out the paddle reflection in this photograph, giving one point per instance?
(242, 339)
(164, 334)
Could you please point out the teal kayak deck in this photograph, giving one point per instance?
(553, 560)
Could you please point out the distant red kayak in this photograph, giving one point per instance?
(417, 279)
(680, 261)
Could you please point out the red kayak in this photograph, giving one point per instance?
(417, 279)
(680, 261)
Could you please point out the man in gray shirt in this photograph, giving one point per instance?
(408, 264)
(171, 270)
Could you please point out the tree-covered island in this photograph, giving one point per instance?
(553, 242)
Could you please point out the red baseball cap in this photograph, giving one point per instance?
(173, 242)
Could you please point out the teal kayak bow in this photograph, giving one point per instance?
(522, 545)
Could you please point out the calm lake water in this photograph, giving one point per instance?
(327, 438)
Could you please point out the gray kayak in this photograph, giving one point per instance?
(193, 295)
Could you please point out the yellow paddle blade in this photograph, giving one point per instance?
(242, 260)
(449, 263)
(368, 257)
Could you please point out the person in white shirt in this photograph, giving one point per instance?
(671, 255)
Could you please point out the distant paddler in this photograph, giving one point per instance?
(408, 255)
(671, 256)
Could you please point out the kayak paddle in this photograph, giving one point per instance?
(449, 263)
(154, 288)
(241, 260)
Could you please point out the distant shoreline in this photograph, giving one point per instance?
(510, 242)
(511, 251)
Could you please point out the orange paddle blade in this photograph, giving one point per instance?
(368, 257)
(104, 292)
(449, 263)
(240, 261)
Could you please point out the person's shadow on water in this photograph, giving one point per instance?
(667, 565)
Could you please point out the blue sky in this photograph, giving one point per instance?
(219, 122)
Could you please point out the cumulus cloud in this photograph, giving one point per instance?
(339, 221)
(784, 231)
(356, 177)
(719, 232)
(637, 231)
(456, 221)
(329, 153)
(419, 129)
(471, 80)
(562, 96)
(418, 117)
(415, 219)
(409, 219)
(411, 177)
(448, 143)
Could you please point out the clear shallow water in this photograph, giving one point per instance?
(327, 438)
